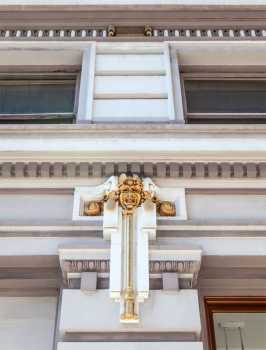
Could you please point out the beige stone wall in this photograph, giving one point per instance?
(226, 207)
(27, 323)
(35, 207)
(42, 208)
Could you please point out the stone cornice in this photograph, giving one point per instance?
(71, 270)
(158, 33)
(123, 143)
(187, 170)
(100, 266)
(125, 128)
(128, 16)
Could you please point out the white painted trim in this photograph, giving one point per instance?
(126, 128)
(177, 87)
(132, 2)
(130, 48)
(130, 86)
(131, 346)
(128, 110)
(209, 245)
(12, 228)
(51, 183)
(129, 64)
(213, 228)
(85, 105)
(85, 253)
(124, 148)
(40, 245)
(175, 101)
(15, 228)
(176, 195)
(220, 245)
(164, 253)
(169, 81)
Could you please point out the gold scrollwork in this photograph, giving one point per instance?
(147, 30)
(111, 31)
(166, 208)
(130, 194)
(93, 208)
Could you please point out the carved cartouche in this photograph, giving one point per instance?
(93, 208)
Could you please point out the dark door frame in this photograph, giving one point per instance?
(229, 304)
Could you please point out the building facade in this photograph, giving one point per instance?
(132, 175)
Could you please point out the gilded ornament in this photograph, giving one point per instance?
(129, 306)
(166, 208)
(148, 30)
(111, 31)
(130, 194)
(93, 208)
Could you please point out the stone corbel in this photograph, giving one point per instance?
(82, 265)
(178, 267)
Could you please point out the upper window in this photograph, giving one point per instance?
(237, 323)
(228, 99)
(37, 98)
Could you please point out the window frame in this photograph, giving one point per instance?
(236, 304)
(224, 117)
(45, 77)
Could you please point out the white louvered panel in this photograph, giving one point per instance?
(130, 87)
(130, 110)
(130, 64)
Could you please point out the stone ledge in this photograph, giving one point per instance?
(187, 170)
(129, 128)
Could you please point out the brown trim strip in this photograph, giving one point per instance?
(29, 276)
(30, 191)
(30, 261)
(130, 336)
(240, 261)
(229, 304)
(225, 191)
(18, 293)
(131, 15)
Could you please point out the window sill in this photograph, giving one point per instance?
(40, 118)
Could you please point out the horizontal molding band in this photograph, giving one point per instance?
(44, 34)
(30, 292)
(47, 34)
(129, 336)
(41, 276)
(210, 33)
(30, 261)
(211, 170)
(164, 230)
(122, 129)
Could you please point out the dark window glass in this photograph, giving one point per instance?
(33, 96)
(225, 96)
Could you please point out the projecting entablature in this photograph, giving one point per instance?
(129, 20)
(90, 271)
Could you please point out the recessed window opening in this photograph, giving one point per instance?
(37, 98)
(224, 99)
(225, 96)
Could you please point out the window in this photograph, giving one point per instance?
(37, 98)
(227, 99)
(236, 323)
